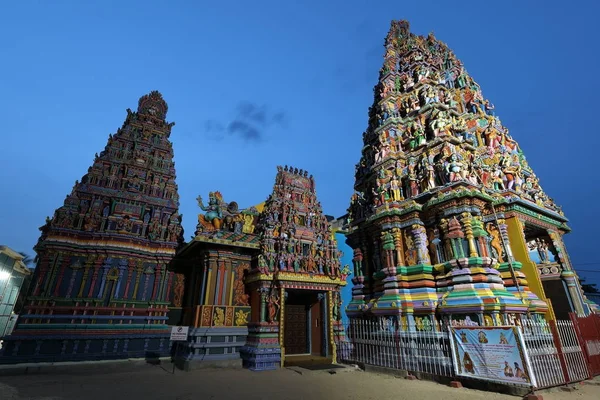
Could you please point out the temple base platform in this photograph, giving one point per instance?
(211, 347)
(262, 351)
(70, 345)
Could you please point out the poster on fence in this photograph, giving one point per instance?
(490, 353)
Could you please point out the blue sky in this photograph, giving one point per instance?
(71, 68)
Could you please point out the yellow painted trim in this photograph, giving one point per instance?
(293, 277)
(231, 283)
(282, 325)
(208, 286)
(529, 268)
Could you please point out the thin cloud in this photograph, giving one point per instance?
(250, 123)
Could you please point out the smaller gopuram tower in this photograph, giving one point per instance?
(294, 284)
(101, 287)
(446, 205)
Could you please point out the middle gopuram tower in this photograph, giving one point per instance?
(445, 202)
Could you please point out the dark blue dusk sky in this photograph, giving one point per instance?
(70, 69)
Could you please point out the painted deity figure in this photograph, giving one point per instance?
(395, 190)
(413, 180)
(455, 169)
(428, 166)
(273, 306)
(542, 249)
(214, 213)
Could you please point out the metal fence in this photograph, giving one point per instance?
(554, 349)
(381, 342)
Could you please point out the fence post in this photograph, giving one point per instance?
(582, 344)
(559, 349)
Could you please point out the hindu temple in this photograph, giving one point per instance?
(263, 283)
(101, 288)
(448, 222)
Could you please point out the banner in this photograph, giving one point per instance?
(493, 353)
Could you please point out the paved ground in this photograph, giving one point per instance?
(150, 382)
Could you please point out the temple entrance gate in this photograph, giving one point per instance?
(305, 324)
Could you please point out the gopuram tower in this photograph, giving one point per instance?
(101, 287)
(448, 222)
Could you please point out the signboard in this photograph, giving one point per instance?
(491, 353)
(179, 333)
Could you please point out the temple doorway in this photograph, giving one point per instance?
(304, 327)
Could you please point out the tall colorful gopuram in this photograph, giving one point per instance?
(446, 208)
(101, 287)
(295, 280)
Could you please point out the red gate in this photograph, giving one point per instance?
(589, 331)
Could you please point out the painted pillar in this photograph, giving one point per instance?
(157, 275)
(208, 285)
(122, 268)
(421, 245)
(331, 337)
(282, 298)
(53, 271)
(466, 220)
(138, 275)
(44, 266)
(74, 271)
(61, 274)
(104, 274)
(89, 264)
(569, 275)
(146, 284)
(573, 287)
(169, 284)
(263, 303)
(397, 233)
(503, 229)
(95, 277)
(514, 228)
(130, 268)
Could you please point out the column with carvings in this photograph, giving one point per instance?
(263, 303)
(157, 276)
(95, 273)
(503, 229)
(331, 337)
(75, 268)
(103, 275)
(397, 234)
(89, 264)
(122, 269)
(139, 271)
(466, 220)
(420, 238)
(130, 269)
(44, 266)
(282, 299)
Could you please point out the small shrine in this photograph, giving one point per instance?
(295, 280)
(446, 210)
(101, 288)
(214, 265)
(262, 284)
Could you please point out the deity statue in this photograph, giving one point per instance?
(273, 306)
(455, 169)
(214, 212)
(396, 195)
(542, 249)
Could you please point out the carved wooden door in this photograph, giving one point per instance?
(295, 334)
